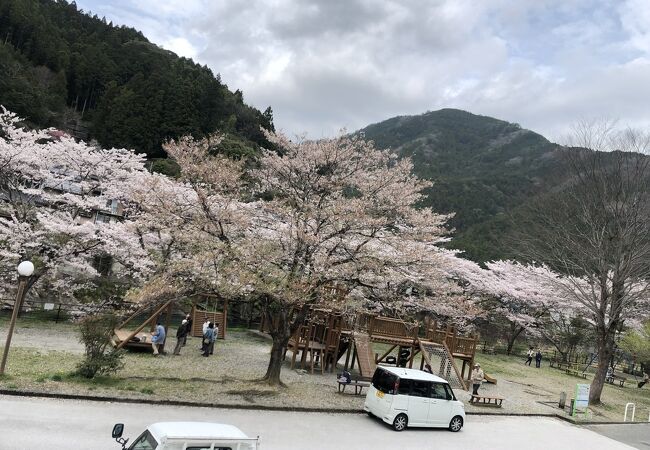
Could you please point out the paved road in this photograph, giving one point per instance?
(637, 435)
(27, 423)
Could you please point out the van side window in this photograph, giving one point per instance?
(450, 393)
(384, 381)
(420, 388)
(404, 386)
(438, 391)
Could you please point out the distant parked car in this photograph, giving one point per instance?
(413, 398)
(188, 436)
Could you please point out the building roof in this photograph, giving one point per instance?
(413, 374)
(195, 430)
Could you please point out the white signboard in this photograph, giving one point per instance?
(48, 306)
(581, 398)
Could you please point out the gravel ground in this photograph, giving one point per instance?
(47, 336)
(230, 377)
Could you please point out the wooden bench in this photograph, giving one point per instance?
(358, 386)
(576, 373)
(621, 380)
(482, 400)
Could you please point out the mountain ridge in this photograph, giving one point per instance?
(482, 169)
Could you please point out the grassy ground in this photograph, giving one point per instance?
(231, 376)
(528, 386)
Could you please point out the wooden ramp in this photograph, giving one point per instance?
(365, 355)
(441, 362)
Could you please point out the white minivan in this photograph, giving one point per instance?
(414, 398)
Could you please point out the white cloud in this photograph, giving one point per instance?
(325, 65)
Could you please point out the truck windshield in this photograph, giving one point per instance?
(208, 448)
(144, 442)
(384, 381)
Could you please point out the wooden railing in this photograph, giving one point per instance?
(384, 326)
(464, 345)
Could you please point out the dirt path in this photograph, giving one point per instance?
(63, 337)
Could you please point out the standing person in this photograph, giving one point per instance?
(477, 378)
(216, 336)
(208, 340)
(188, 317)
(181, 335)
(538, 358)
(530, 355)
(204, 329)
(158, 338)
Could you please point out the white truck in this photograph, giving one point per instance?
(188, 436)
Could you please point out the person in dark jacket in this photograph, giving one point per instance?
(181, 335)
(188, 317)
(538, 358)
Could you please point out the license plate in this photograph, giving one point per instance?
(379, 394)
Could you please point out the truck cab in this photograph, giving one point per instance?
(188, 436)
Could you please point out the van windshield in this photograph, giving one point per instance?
(384, 381)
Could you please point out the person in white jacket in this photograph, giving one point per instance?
(477, 378)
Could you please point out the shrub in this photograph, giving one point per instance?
(100, 358)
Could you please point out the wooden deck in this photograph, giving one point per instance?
(143, 338)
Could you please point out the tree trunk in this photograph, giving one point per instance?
(513, 337)
(605, 351)
(281, 327)
(280, 332)
(278, 349)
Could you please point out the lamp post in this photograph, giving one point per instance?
(25, 270)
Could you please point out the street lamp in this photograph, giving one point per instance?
(25, 270)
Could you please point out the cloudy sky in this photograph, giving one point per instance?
(324, 65)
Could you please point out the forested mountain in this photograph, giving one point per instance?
(61, 67)
(483, 168)
(64, 68)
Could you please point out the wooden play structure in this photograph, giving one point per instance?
(217, 317)
(140, 336)
(326, 336)
(461, 348)
(321, 339)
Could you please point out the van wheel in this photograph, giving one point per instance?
(400, 422)
(456, 424)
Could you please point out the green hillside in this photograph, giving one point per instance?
(61, 67)
(483, 168)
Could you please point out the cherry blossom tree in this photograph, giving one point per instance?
(337, 212)
(522, 294)
(52, 191)
(311, 216)
(594, 232)
(192, 226)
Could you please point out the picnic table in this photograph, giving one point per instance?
(484, 400)
(616, 378)
(575, 372)
(358, 386)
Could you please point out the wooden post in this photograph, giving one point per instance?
(168, 319)
(225, 317)
(141, 327)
